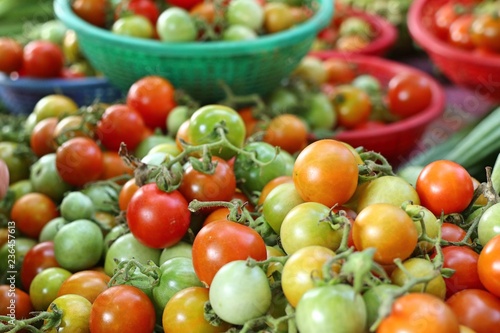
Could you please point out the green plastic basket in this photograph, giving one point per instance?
(247, 67)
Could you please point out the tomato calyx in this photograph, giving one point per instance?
(375, 165)
(133, 272)
(50, 321)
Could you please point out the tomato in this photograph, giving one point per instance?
(4, 179)
(464, 261)
(489, 267)
(126, 247)
(45, 286)
(460, 35)
(315, 178)
(443, 18)
(326, 308)
(126, 192)
(17, 164)
(452, 233)
(388, 229)
(118, 124)
(485, 32)
(245, 12)
(217, 186)
(374, 297)
(280, 101)
(431, 225)
(146, 212)
(319, 113)
(42, 138)
(420, 312)
(114, 166)
(302, 227)
(444, 187)
(12, 255)
(11, 55)
(78, 245)
(146, 8)
(123, 309)
(38, 258)
(32, 212)
(287, 131)
(14, 302)
(69, 127)
(477, 309)
(184, 313)
(87, 283)
(220, 242)
(252, 176)
(79, 161)
(489, 224)
(42, 59)
(299, 270)
(75, 313)
(420, 267)
(408, 94)
(238, 33)
(278, 204)
(92, 11)
(76, 205)
(153, 98)
(150, 142)
(240, 292)
(45, 178)
(271, 185)
(352, 105)
(311, 70)
(204, 123)
(176, 25)
(181, 249)
(339, 71)
(175, 274)
(277, 17)
(55, 105)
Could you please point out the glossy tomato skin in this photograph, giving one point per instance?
(153, 98)
(86, 283)
(21, 300)
(122, 308)
(42, 59)
(444, 187)
(92, 11)
(408, 94)
(477, 309)
(11, 55)
(287, 131)
(326, 172)
(38, 258)
(220, 242)
(489, 266)
(32, 212)
(156, 218)
(76, 313)
(485, 32)
(419, 313)
(45, 286)
(464, 261)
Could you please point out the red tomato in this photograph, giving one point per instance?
(120, 123)
(463, 260)
(79, 161)
(4, 179)
(114, 165)
(452, 233)
(485, 32)
(42, 59)
(42, 136)
(87, 283)
(477, 309)
(37, 258)
(156, 218)
(443, 18)
(460, 32)
(489, 265)
(186, 4)
(32, 212)
(11, 55)
(153, 98)
(220, 242)
(408, 94)
(127, 191)
(14, 301)
(444, 187)
(92, 11)
(124, 309)
(146, 8)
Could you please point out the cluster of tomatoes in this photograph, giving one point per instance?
(157, 214)
(470, 26)
(194, 20)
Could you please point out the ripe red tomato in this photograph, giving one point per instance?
(408, 94)
(153, 98)
(489, 265)
(146, 8)
(452, 233)
(186, 4)
(460, 35)
(444, 187)
(122, 308)
(92, 11)
(42, 136)
(463, 260)
(120, 123)
(42, 59)
(87, 283)
(32, 212)
(11, 55)
(220, 242)
(21, 300)
(485, 32)
(443, 18)
(156, 218)
(37, 258)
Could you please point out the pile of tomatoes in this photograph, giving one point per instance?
(158, 214)
(470, 26)
(194, 20)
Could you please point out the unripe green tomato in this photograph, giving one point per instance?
(134, 26)
(238, 32)
(176, 25)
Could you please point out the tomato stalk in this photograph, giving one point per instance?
(126, 273)
(51, 320)
(340, 221)
(375, 165)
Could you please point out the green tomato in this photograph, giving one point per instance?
(134, 26)
(333, 309)
(180, 249)
(319, 112)
(239, 292)
(251, 176)
(238, 32)
(11, 258)
(50, 230)
(245, 12)
(104, 196)
(115, 233)
(203, 128)
(46, 179)
(176, 25)
(45, 286)
(168, 148)
(76, 206)
(368, 83)
(78, 245)
(18, 163)
(282, 100)
(150, 142)
(54, 31)
(374, 297)
(175, 118)
(489, 224)
(278, 203)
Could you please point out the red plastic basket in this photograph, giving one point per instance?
(396, 140)
(478, 72)
(386, 35)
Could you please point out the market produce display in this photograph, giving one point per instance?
(301, 209)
